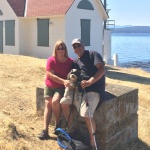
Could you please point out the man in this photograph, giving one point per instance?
(91, 65)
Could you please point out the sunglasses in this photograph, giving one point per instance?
(76, 46)
(60, 48)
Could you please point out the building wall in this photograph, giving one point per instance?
(8, 14)
(28, 36)
(73, 28)
(65, 28)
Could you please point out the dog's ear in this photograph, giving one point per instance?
(68, 76)
(78, 73)
(74, 70)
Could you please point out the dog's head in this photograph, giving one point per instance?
(74, 75)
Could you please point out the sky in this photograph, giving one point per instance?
(129, 12)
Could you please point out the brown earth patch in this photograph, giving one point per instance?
(19, 123)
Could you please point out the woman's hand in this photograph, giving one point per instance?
(66, 83)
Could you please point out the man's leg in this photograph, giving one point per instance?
(89, 127)
(89, 105)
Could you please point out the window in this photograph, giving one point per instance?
(10, 32)
(43, 32)
(85, 31)
(85, 4)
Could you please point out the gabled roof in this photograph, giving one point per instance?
(32, 8)
(47, 7)
(35, 8)
(18, 6)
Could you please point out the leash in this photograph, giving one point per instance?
(71, 112)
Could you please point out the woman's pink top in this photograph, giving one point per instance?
(61, 69)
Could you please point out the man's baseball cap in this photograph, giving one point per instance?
(77, 40)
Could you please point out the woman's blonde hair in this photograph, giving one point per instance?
(57, 44)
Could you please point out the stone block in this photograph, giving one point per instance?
(40, 99)
(116, 119)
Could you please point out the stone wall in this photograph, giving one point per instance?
(116, 119)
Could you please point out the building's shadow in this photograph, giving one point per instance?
(126, 77)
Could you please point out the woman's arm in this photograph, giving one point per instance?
(57, 79)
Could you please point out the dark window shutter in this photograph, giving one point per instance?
(85, 31)
(10, 32)
(43, 32)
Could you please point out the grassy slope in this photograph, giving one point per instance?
(19, 125)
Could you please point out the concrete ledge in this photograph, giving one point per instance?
(116, 119)
(40, 99)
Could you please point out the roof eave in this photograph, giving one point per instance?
(104, 13)
(50, 16)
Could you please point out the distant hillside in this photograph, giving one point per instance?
(132, 29)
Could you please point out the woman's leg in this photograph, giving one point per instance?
(47, 113)
(56, 107)
(47, 118)
(68, 115)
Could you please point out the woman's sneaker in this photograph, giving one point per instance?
(57, 126)
(44, 135)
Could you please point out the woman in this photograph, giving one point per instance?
(57, 68)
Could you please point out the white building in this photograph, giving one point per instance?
(31, 27)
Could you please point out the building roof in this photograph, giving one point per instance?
(18, 6)
(34, 8)
(47, 7)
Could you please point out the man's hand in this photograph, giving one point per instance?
(85, 83)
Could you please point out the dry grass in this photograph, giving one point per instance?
(19, 125)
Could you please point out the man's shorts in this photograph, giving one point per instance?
(85, 104)
(50, 92)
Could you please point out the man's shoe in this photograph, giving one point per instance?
(92, 148)
(43, 135)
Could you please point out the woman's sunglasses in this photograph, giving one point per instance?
(60, 48)
(76, 46)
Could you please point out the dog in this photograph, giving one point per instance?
(74, 77)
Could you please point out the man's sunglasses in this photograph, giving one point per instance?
(76, 46)
(60, 48)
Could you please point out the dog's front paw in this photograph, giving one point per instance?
(71, 87)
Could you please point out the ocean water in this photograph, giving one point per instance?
(133, 49)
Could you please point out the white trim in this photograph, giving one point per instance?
(25, 12)
(104, 13)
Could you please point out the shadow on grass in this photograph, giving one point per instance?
(127, 77)
(136, 144)
(110, 68)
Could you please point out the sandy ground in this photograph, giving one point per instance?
(19, 123)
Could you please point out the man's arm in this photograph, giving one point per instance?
(100, 72)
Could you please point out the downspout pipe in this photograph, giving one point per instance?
(105, 10)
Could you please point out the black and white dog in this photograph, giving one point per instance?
(73, 77)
